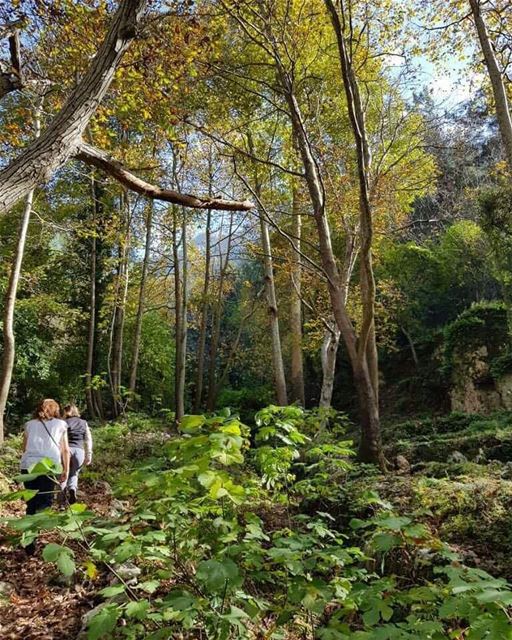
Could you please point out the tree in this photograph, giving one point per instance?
(499, 91)
(62, 139)
(8, 353)
(141, 301)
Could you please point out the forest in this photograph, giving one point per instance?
(265, 247)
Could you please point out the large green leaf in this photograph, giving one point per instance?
(217, 575)
(62, 556)
(137, 609)
(103, 622)
(190, 424)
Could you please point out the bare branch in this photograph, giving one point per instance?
(100, 159)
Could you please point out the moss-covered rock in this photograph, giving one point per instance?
(477, 359)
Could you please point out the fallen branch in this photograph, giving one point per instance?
(101, 160)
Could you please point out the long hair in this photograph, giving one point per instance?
(47, 409)
(71, 411)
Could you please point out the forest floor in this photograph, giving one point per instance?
(36, 601)
(39, 603)
(459, 483)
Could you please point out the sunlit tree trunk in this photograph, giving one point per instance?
(370, 449)
(141, 301)
(366, 370)
(270, 294)
(328, 356)
(499, 90)
(9, 345)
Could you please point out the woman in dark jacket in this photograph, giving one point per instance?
(80, 448)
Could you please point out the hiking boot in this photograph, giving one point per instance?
(71, 496)
(62, 499)
(30, 549)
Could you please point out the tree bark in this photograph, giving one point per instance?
(60, 140)
(370, 449)
(11, 78)
(140, 306)
(10, 302)
(9, 341)
(366, 366)
(496, 77)
(100, 159)
(297, 365)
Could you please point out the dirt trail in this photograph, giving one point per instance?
(42, 605)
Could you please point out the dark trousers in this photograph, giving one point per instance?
(43, 499)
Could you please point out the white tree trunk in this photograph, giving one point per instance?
(328, 354)
(9, 342)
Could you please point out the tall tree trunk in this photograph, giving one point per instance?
(496, 77)
(89, 395)
(328, 355)
(370, 449)
(201, 350)
(367, 360)
(270, 294)
(216, 321)
(119, 310)
(140, 306)
(9, 344)
(297, 365)
(42, 157)
(181, 299)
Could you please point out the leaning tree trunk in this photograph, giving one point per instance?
(140, 307)
(496, 78)
(10, 301)
(60, 140)
(297, 364)
(370, 449)
(9, 344)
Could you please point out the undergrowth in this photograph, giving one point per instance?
(238, 533)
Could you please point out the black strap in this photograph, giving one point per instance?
(46, 429)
